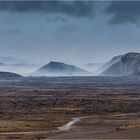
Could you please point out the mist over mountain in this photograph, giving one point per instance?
(128, 64)
(12, 64)
(93, 67)
(13, 60)
(114, 60)
(60, 69)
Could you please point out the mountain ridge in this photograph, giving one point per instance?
(12, 75)
(59, 68)
(128, 65)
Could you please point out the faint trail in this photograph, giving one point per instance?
(67, 126)
(124, 114)
(29, 132)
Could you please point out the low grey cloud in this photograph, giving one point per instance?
(73, 8)
(124, 11)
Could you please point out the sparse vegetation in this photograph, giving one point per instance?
(37, 106)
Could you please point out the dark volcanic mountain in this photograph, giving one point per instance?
(7, 75)
(60, 69)
(128, 64)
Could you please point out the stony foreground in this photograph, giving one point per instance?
(35, 107)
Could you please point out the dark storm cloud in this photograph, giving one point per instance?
(73, 8)
(124, 11)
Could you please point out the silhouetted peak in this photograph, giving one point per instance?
(9, 75)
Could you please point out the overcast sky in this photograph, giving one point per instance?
(69, 31)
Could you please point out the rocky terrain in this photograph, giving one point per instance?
(72, 107)
(35, 107)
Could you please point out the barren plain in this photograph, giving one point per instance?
(36, 107)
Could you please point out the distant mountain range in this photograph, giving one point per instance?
(13, 60)
(13, 64)
(121, 65)
(60, 69)
(128, 64)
